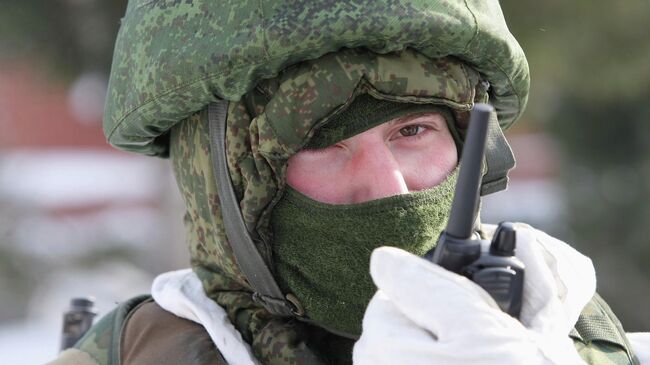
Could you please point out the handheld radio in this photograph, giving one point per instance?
(491, 265)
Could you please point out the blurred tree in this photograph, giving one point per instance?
(67, 36)
(590, 73)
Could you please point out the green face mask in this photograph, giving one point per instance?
(322, 251)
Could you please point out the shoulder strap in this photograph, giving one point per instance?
(598, 324)
(266, 290)
(102, 341)
(152, 335)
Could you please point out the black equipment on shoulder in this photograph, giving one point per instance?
(77, 320)
(459, 247)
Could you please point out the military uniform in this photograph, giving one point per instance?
(286, 69)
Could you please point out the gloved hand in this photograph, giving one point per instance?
(424, 314)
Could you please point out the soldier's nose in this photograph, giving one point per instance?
(376, 173)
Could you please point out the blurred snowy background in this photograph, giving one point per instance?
(77, 217)
(80, 218)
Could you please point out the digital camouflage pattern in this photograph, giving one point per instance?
(599, 336)
(173, 57)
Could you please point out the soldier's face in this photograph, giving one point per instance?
(405, 154)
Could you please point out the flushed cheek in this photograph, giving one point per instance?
(314, 177)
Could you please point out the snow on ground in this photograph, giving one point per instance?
(36, 339)
(65, 204)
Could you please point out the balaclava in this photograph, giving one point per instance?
(265, 128)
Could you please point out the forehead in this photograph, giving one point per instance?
(433, 116)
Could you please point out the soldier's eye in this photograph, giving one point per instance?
(411, 130)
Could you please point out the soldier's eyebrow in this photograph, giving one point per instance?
(409, 117)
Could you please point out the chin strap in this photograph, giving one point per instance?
(499, 159)
(266, 290)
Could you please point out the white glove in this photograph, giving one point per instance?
(424, 314)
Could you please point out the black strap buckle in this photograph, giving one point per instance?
(286, 307)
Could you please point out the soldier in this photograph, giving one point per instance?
(305, 136)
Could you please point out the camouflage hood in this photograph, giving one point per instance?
(265, 128)
(274, 62)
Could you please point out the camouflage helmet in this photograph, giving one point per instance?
(172, 58)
